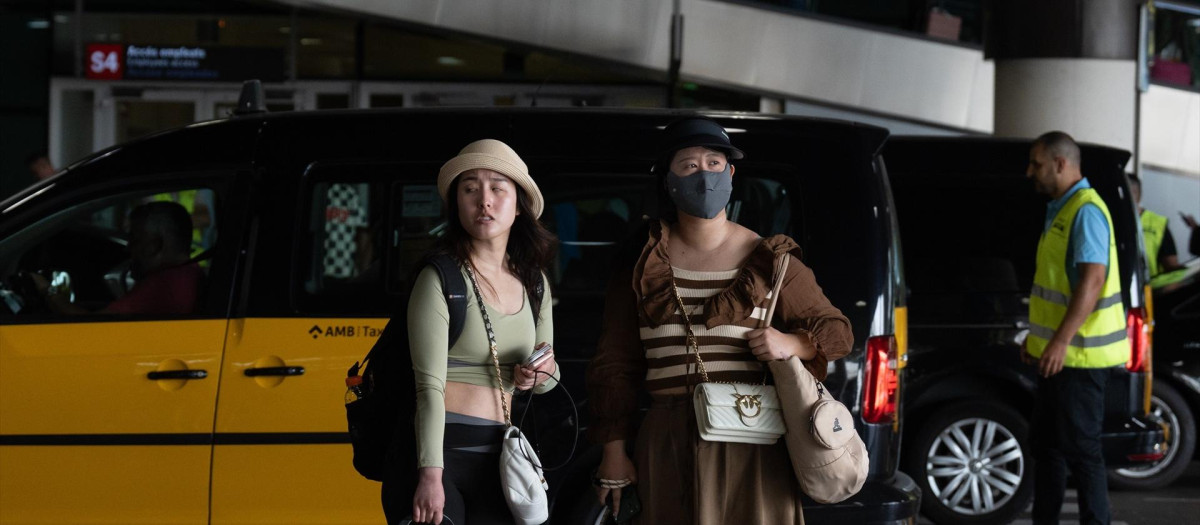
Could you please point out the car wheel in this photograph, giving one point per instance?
(1167, 404)
(973, 464)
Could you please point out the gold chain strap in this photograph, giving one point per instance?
(691, 336)
(487, 323)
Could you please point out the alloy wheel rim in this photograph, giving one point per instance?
(975, 466)
(1160, 409)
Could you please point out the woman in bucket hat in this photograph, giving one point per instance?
(721, 273)
(492, 230)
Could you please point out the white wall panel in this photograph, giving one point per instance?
(636, 32)
(1091, 99)
(895, 126)
(915, 78)
(1171, 130)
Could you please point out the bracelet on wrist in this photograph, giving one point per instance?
(611, 483)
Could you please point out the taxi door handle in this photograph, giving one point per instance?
(177, 374)
(275, 371)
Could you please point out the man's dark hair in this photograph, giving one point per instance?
(1059, 144)
(1134, 180)
(169, 219)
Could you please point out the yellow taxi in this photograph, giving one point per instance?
(217, 395)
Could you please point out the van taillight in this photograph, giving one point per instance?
(879, 396)
(1138, 331)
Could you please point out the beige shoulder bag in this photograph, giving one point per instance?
(828, 456)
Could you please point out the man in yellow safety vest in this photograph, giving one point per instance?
(1076, 332)
(1161, 254)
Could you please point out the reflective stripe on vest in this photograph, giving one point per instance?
(1154, 228)
(1052, 296)
(1101, 342)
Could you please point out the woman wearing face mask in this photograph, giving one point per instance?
(492, 230)
(722, 272)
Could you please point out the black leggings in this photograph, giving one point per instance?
(470, 477)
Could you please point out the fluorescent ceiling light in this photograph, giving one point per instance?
(450, 61)
(39, 23)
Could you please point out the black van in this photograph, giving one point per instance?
(311, 224)
(970, 221)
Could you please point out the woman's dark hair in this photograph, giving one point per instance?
(531, 247)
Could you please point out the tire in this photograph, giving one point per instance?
(1167, 403)
(967, 447)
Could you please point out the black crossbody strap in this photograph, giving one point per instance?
(454, 287)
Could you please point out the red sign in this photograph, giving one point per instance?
(105, 61)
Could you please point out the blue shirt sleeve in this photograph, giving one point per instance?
(1090, 236)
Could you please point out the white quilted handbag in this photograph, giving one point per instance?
(738, 413)
(522, 480)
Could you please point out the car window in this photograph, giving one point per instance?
(108, 257)
(361, 220)
(343, 253)
(346, 230)
(365, 229)
(970, 243)
(418, 224)
(761, 204)
(592, 214)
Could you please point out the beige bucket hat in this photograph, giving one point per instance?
(492, 155)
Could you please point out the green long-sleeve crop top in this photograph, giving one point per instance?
(469, 360)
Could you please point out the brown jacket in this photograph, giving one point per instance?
(643, 292)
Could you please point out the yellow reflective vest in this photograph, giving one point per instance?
(1101, 342)
(1154, 228)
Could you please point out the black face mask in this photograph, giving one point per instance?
(702, 194)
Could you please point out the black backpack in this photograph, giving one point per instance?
(380, 423)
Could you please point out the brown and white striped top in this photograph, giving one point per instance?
(724, 348)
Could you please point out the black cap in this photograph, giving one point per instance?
(697, 131)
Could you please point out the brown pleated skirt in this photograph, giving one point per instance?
(683, 479)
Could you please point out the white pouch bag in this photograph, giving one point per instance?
(522, 479)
